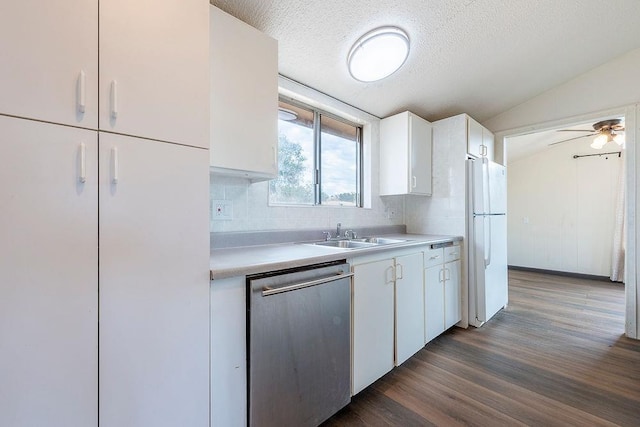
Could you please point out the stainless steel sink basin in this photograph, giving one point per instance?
(345, 244)
(380, 240)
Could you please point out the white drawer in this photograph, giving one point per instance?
(452, 253)
(433, 257)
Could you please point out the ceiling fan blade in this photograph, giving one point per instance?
(570, 139)
(576, 130)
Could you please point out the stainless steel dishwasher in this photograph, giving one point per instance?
(299, 327)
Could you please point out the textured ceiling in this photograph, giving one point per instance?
(481, 57)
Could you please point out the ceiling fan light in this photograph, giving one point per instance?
(599, 141)
(378, 54)
(619, 139)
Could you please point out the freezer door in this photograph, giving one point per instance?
(489, 187)
(497, 183)
(490, 265)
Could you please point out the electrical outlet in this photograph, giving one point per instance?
(221, 210)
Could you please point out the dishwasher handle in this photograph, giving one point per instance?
(267, 290)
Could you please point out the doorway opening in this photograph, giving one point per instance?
(566, 199)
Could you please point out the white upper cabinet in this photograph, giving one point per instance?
(49, 68)
(154, 69)
(405, 155)
(480, 142)
(244, 98)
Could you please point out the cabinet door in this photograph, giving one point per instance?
(244, 101)
(47, 48)
(48, 275)
(154, 69)
(452, 308)
(154, 283)
(409, 306)
(373, 309)
(419, 156)
(433, 302)
(488, 140)
(474, 138)
(228, 352)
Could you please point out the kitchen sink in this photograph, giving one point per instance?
(345, 244)
(364, 242)
(380, 240)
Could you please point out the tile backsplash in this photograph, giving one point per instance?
(252, 212)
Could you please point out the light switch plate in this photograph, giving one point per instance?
(221, 210)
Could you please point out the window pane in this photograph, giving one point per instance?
(295, 159)
(339, 160)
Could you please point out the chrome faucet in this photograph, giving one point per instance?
(327, 235)
(350, 234)
(339, 226)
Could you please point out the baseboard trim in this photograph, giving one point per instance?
(562, 273)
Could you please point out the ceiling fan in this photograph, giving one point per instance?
(604, 131)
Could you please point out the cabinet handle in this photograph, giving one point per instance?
(414, 182)
(81, 97)
(447, 276)
(114, 99)
(388, 278)
(435, 257)
(82, 173)
(114, 165)
(401, 271)
(483, 150)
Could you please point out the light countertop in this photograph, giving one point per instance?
(242, 261)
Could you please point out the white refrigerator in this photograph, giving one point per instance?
(487, 239)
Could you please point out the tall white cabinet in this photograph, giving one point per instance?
(121, 255)
(48, 274)
(154, 294)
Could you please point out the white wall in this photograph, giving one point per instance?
(562, 210)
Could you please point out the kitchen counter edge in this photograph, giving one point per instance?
(243, 261)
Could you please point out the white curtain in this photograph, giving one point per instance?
(617, 256)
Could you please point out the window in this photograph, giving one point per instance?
(319, 159)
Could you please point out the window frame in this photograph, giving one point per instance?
(318, 113)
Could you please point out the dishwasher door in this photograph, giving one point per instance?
(299, 345)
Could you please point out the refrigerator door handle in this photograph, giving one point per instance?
(486, 186)
(487, 239)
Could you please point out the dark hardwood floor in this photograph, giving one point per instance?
(556, 356)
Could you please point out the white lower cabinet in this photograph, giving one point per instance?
(154, 283)
(48, 275)
(409, 306)
(442, 296)
(228, 352)
(452, 308)
(388, 314)
(373, 322)
(433, 303)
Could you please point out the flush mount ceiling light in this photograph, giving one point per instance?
(286, 114)
(378, 54)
